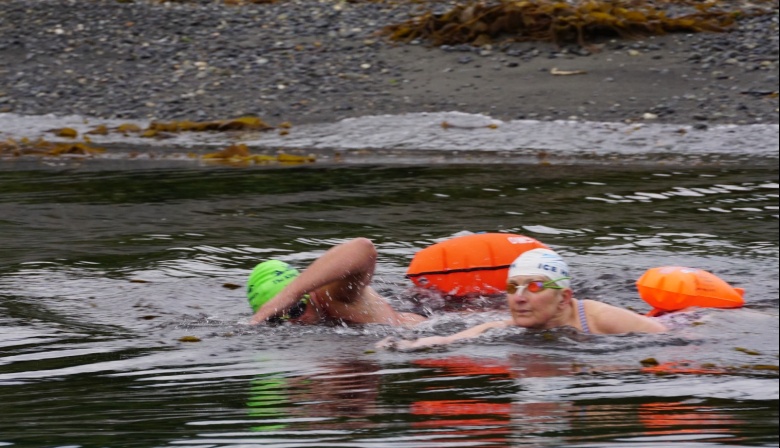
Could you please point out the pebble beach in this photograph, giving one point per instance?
(305, 62)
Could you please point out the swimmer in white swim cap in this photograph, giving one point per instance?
(540, 297)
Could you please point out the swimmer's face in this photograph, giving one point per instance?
(539, 310)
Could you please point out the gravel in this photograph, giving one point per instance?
(320, 61)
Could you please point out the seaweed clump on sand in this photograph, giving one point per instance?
(480, 23)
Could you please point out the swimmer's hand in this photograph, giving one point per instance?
(273, 308)
(261, 316)
(256, 320)
(393, 343)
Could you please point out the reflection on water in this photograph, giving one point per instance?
(123, 320)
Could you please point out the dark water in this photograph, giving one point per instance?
(106, 274)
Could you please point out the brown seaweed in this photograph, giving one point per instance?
(483, 22)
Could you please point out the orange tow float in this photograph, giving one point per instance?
(469, 264)
(479, 264)
(673, 288)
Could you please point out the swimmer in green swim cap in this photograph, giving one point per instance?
(335, 287)
(267, 280)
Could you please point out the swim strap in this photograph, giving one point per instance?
(583, 319)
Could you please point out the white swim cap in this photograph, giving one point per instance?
(541, 262)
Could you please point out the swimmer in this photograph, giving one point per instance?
(335, 287)
(540, 298)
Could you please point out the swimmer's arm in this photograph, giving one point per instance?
(614, 320)
(343, 271)
(469, 333)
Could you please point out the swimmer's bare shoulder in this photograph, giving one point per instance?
(609, 319)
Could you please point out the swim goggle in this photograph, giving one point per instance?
(535, 286)
(293, 312)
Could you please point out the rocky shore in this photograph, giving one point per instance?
(321, 61)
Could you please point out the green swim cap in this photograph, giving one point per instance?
(267, 280)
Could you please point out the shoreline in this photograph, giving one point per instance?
(415, 138)
(321, 62)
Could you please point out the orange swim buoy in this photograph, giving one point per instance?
(672, 288)
(469, 264)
